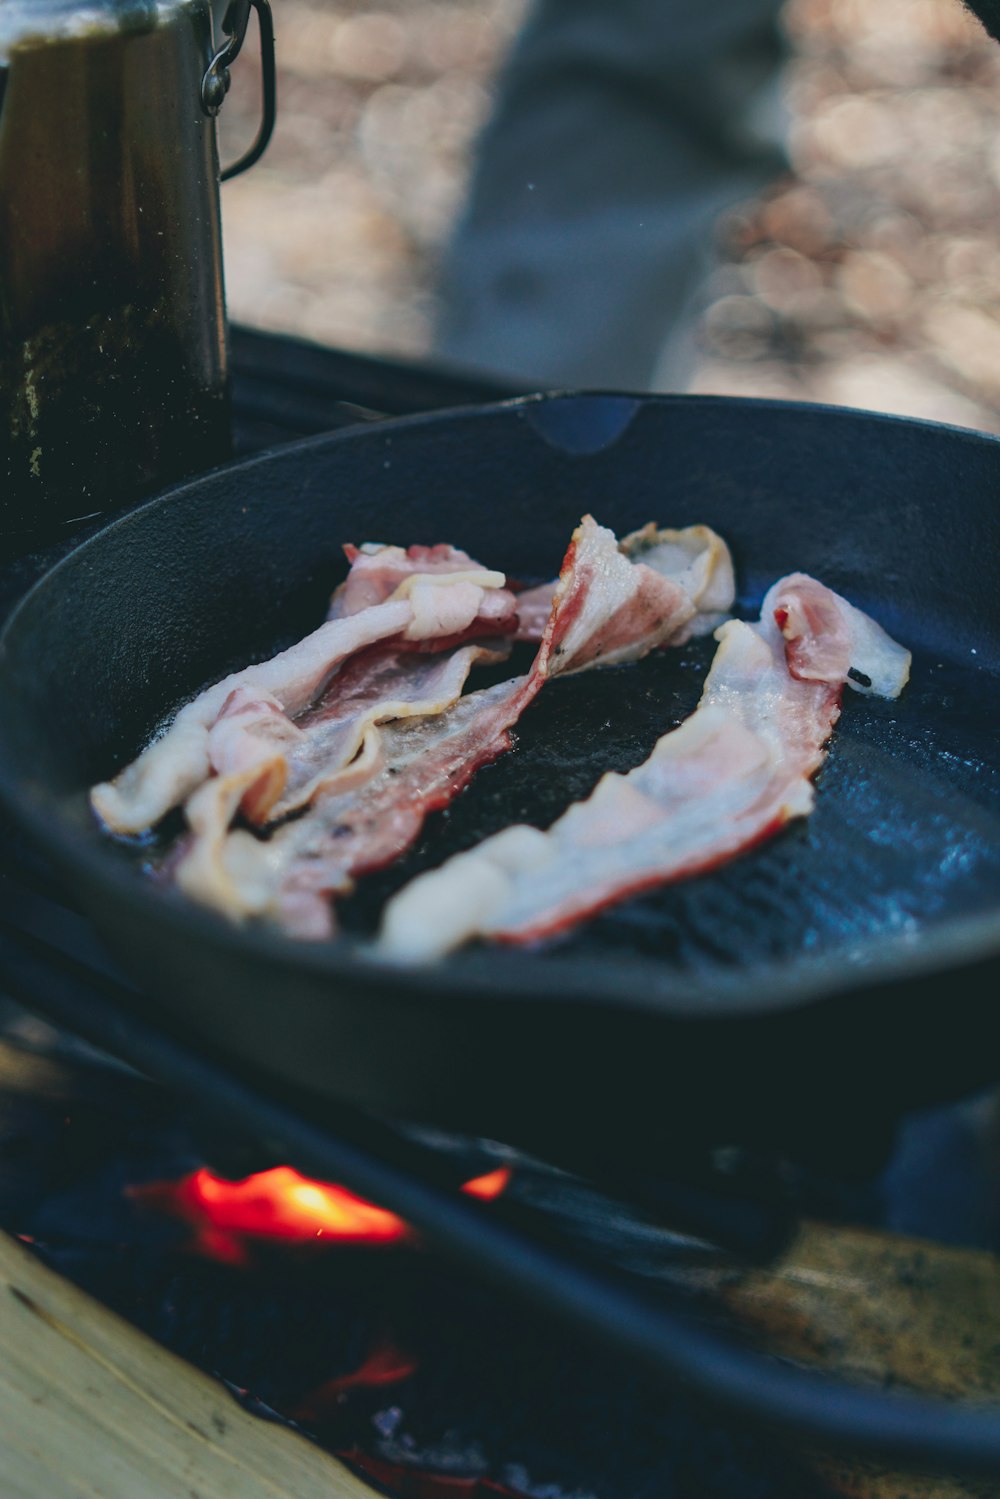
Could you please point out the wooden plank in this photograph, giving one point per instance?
(91, 1408)
(880, 1309)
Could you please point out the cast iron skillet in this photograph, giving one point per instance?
(842, 972)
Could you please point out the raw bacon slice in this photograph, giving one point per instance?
(732, 775)
(378, 573)
(268, 767)
(534, 605)
(296, 759)
(695, 557)
(371, 690)
(226, 870)
(699, 560)
(420, 765)
(253, 733)
(426, 611)
(604, 609)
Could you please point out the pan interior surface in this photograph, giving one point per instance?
(900, 517)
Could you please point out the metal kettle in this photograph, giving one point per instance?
(113, 363)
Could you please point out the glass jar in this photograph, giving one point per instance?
(113, 377)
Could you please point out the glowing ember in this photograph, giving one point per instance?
(281, 1204)
(490, 1185)
(385, 1365)
(415, 1483)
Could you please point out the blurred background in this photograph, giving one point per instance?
(866, 275)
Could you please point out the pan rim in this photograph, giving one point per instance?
(498, 973)
(451, 414)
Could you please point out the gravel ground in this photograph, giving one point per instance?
(867, 276)
(334, 234)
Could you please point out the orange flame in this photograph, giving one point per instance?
(489, 1186)
(281, 1204)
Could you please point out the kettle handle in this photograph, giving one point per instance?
(215, 84)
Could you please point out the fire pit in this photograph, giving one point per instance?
(330, 1315)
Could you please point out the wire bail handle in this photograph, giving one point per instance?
(215, 84)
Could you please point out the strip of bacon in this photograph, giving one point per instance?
(695, 557)
(380, 572)
(253, 733)
(268, 767)
(423, 764)
(604, 609)
(297, 759)
(428, 610)
(699, 560)
(730, 776)
(234, 872)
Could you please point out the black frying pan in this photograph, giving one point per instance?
(811, 989)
